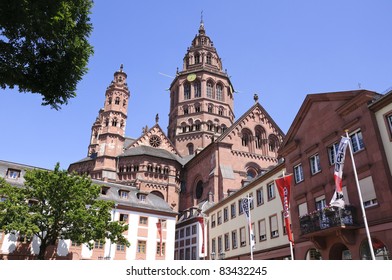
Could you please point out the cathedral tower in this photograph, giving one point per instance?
(201, 98)
(108, 131)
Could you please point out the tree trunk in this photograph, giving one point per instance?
(42, 251)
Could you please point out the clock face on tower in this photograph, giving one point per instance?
(155, 141)
(191, 77)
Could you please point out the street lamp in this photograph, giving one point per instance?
(212, 255)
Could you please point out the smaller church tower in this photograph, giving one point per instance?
(108, 131)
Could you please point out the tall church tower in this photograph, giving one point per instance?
(108, 131)
(201, 98)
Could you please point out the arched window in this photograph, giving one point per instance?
(114, 122)
(124, 103)
(210, 126)
(245, 138)
(197, 58)
(110, 100)
(313, 254)
(107, 122)
(251, 173)
(197, 108)
(209, 58)
(209, 89)
(187, 91)
(210, 108)
(197, 88)
(122, 123)
(117, 100)
(219, 92)
(158, 194)
(186, 110)
(220, 111)
(272, 143)
(260, 137)
(199, 189)
(224, 127)
(190, 148)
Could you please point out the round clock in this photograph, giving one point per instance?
(191, 77)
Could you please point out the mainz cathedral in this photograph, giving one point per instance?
(206, 152)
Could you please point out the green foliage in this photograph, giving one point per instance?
(44, 47)
(54, 205)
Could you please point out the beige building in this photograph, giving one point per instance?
(228, 231)
(382, 109)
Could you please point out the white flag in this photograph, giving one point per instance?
(337, 198)
(245, 205)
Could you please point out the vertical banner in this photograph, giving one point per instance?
(284, 186)
(245, 205)
(201, 221)
(337, 198)
(159, 227)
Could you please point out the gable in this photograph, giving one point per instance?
(154, 138)
(255, 119)
(319, 111)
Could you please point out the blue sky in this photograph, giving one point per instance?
(282, 50)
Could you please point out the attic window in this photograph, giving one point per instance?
(142, 197)
(13, 173)
(123, 194)
(104, 190)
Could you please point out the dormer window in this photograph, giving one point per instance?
(13, 173)
(104, 190)
(142, 197)
(124, 194)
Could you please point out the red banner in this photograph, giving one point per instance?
(201, 221)
(284, 186)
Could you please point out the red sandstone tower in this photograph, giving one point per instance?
(201, 98)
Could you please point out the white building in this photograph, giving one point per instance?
(151, 226)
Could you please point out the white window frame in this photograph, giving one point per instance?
(314, 162)
(271, 193)
(357, 141)
(298, 173)
(332, 150)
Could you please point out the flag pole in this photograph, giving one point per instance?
(361, 201)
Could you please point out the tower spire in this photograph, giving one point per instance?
(201, 28)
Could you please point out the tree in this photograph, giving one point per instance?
(55, 205)
(44, 47)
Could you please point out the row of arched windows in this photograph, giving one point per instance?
(114, 122)
(199, 58)
(197, 108)
(259, 140)
(116, 101)
(213, 91)
(198, 126)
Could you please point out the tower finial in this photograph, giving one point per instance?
(121, 67)
(201, 28)
(256, 97)
(156, 118)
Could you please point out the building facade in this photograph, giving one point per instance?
(207, 153)
(228, 230)
(309, 151)
(150, 219)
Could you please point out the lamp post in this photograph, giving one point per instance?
(212, 255)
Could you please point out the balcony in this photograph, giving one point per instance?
(318, 222)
